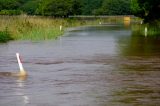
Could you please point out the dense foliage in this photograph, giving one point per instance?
(89, 6)
(146, 9)
(149, 10)
(5, 36)
(114, 7)
(64, 8)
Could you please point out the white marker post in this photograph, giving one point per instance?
(22, 71)
(60, 27)
(145, 31)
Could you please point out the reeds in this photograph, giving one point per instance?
(30, 27)
(38, 27)
(42, 28)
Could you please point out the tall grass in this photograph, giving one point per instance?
(37, 27)
(42, 28)
(34, 28)
(152, 29)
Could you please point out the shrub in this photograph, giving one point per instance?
(10, 12)
(5, 36)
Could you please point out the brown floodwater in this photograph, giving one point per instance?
(88, 66)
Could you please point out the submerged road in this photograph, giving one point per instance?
(88, 66)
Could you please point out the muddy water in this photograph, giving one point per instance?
(88, 66)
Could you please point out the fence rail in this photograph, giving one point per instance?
(101, 16)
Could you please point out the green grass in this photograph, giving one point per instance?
(152, 30)
(40, 34)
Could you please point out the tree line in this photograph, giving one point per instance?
(59, 8)
(146, 9)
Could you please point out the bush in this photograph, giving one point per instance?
(10, 12)
(5, 36)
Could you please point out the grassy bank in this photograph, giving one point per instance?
(147, 29)
(42, 28)
(38, 28)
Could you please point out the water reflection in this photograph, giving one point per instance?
(21, 90)
(13, 91)
(140, 45)
(140, 71)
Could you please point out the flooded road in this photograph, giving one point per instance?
(88, 66)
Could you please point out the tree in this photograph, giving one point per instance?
(89, 6)
(146, 9)
(115, 7)
(30, 7)
(76, 7)
(9, 4)
(11, 7)
(57, 8)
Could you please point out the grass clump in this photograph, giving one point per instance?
(152, 29)
(5, 36)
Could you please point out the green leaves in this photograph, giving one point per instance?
(116, 7)
(59, 8)
(90, 6)
(30, 7)
(64, 8)
(5, 36)
(146, 9)
(10, 4)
